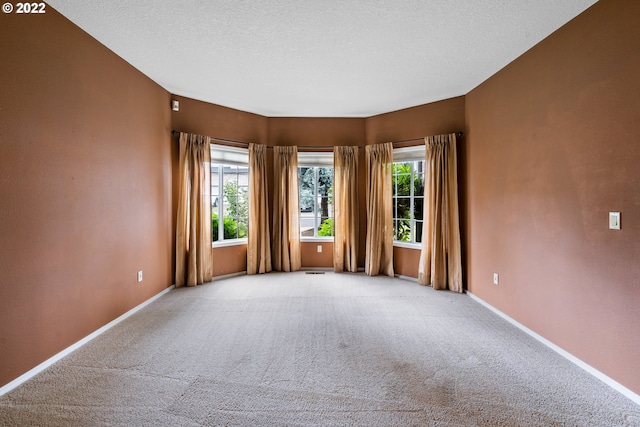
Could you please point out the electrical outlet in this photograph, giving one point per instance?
(139, 276)
(319, 249)
(495, 278)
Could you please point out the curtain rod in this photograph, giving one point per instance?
(230, 141)
(316, 147)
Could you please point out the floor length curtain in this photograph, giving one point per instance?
(379, 244)
(194, 264)
(259, 244)
(345, 198)
(285, 250)
(440, 260)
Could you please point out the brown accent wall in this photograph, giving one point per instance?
(207, 119)
(312, 258)
(552, 148)
(417, 122)
(314, 132)
(436, 118)
(406, 261)
(85, 187)
(229, 260)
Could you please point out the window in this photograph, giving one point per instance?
(315, 183)
(229, 193)
(408, 194)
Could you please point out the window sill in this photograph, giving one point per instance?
(407, 245)
(316, 239)
(231, 242)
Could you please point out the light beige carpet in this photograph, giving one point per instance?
(298, 349)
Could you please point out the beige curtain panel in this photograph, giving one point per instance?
(194, 264)
(285, 250)
(259, 244)
(345, 199)
(379, 244)
(440, 259)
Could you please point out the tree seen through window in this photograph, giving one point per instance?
(316, 201)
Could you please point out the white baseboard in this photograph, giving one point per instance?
(44, 365)
(229, 276)
(570, 357)
(409, 278)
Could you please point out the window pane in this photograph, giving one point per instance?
(418, 208)
(215, 200)
(403, 230)
(403, 206)
(408, 201)
(326, 227)
(418, 185)
(316, 201)
(402, 179)
(324, 208)
(214, 226)
(395, 207)
(230, 203)
(243, 228)
(418, 232)
(306, 180)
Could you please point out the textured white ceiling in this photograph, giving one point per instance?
(319, 58)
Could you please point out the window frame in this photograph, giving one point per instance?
(315, 160)
(222, 156)
(408, 155)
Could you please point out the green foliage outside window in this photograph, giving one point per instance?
(237, 213)
(408, 186)
(232, 229)
(326, 228)
(316, 199)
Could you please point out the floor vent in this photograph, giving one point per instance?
(314, 272)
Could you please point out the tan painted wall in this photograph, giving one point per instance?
(552, 148)
(229, 260)
(310, 132)
(85, 188)
(417, 122)
(312, 258)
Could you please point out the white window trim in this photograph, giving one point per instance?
(230, 242)
(399, 244)
(233, 156)
(409, 154)
(229, 155)
(316, 239)
(316, 159)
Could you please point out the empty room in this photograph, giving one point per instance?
(374, 213)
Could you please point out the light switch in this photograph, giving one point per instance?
(614, 220)
(319, 248)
